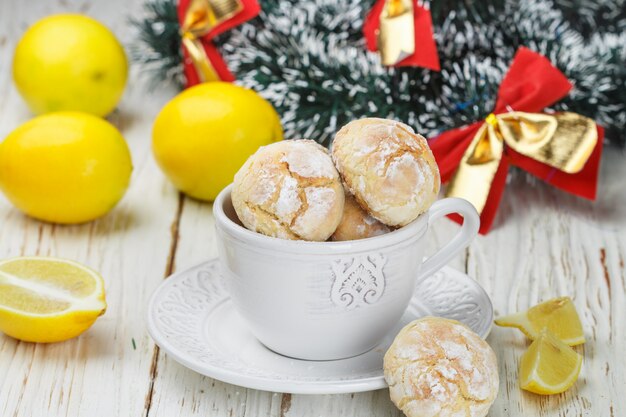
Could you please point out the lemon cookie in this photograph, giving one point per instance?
(439, 367)
(388, 168)
(289, 190)
(356, 223)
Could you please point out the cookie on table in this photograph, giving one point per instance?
(289, 190)
(439, 367)
(389, 169)
(356, 223)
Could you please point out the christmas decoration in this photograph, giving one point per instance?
(70, 62)
(309, 58)
(403, 30)
(563, 149)
(202, 20)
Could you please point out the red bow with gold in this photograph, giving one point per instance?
(200, 22)
(402, 30)
(563, 149)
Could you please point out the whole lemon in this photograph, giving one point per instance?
(205, 134)
(65, 167)
(70, 62)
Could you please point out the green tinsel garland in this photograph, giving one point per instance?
(308, 58)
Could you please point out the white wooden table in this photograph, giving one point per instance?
(545, 243)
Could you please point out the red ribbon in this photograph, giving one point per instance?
(531, 84)
(425, 48)
(251, 9)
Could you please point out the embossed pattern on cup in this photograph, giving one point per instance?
(358, 280)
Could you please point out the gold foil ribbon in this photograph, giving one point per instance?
(200, 18)
(396, 36)
(563, 141)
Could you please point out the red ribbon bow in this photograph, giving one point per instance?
(531, 84)
(246, 10)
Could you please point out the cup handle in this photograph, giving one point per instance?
(469, 230)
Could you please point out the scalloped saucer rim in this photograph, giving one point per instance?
(194, 304)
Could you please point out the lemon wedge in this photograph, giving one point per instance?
(549, 366)
(48, 300)
(558, 315)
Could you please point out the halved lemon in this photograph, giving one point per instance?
(48, 300)
(549, 366)
(557, 315)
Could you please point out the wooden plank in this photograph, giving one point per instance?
(106, 371)
(551, 244)
(178, 390)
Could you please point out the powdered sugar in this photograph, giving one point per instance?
(435, 387)
(446, 369)
(248, 218)
(459, 353)
(384, 152)
(264, 188)
(320, 202)
(360, 185)
(415, 351)
(365, 150)
(309, 160)
(288, 201)
(407, 167)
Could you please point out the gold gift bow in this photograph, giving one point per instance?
(396, 36)
(200, 17)
(562, 140)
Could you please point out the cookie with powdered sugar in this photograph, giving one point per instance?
(437, 367)
(289, 190)
(356, 223)
(388, 168)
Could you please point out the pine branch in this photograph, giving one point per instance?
(158, 46)
(592, 17)
(308, 58)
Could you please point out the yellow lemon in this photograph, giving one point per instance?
(70, 62)
(549, 366)
(48, 300)
(65, 167)
(205, 134)
(557, 315)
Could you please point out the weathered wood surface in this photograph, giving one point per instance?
(545, 244)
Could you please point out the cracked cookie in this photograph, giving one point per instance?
(439, 367)
(289, 190)
(356, 223)
(388, 168)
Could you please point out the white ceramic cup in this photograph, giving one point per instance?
(329, 300)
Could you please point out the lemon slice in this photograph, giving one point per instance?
(549, 366)
(48, 300)
(557, 315)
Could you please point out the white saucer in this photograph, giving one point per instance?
(192, 318)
